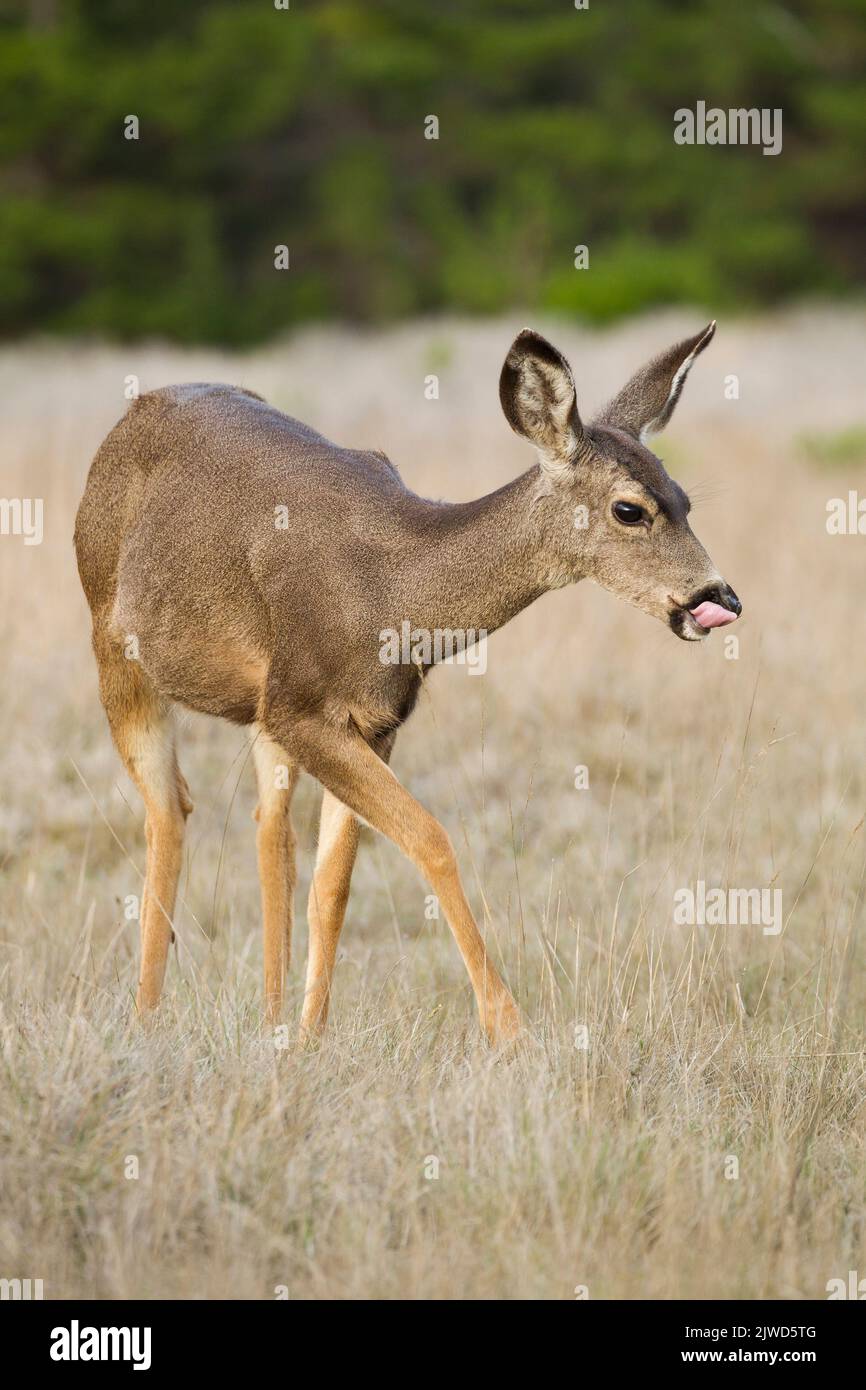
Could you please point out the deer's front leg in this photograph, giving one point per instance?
(329, 893)
(358, 777)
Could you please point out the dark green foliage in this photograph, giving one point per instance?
(305, 126)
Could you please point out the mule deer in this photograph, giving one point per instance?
(200, 597)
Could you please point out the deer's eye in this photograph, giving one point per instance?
(628, 513)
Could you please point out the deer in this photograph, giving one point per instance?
(239, 564)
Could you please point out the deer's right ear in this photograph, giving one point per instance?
(647, 402)
(536, 389)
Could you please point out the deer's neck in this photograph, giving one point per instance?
(480, 563)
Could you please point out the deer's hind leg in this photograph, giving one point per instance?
(142, 727)
(276, 774)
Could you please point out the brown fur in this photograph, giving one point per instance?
(231, 614)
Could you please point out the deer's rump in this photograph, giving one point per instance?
(161, 561)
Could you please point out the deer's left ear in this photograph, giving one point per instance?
(536, 389)
(646, 403)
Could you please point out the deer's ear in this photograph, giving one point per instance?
(536, 389)
(647, 402)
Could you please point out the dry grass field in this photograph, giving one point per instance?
(404, 1159)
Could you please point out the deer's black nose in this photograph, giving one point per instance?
(722, 594)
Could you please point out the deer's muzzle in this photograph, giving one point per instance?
(714, 606)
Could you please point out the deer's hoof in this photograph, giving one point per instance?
(504, 1023)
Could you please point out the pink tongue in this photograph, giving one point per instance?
(712, 615)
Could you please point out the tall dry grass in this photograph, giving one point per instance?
(608, 1167)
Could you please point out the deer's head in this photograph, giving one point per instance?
(607, 507)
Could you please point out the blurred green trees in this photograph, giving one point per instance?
(262, 126)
